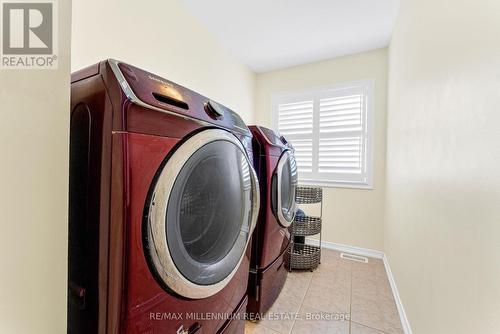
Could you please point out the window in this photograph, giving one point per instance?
(331, 131)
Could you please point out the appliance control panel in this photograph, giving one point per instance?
(274, 137)
(164, 94)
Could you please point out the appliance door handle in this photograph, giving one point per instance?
(77, 294)
(255, 197)
(191, 330)
(194, 328)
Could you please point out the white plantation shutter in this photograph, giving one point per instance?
(296, 121)
(331, 133)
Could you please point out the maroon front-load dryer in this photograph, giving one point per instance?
(276, 168)
(163, 201)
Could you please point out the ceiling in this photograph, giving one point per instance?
(274, 34)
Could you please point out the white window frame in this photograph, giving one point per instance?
(315, 94)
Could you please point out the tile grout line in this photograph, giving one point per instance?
(302, 301)
(376, 329)
(271, 329)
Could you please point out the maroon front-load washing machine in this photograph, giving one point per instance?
(163, 201)
(276, 168)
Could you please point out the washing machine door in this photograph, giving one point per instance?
(201, 213)
(285, 179)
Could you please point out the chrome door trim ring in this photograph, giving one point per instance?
(279, 172)
(156, 222)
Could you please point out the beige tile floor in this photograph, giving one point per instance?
(317, 302)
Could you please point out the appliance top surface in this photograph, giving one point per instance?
(152, 91)
(270, 136)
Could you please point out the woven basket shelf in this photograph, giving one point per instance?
(308, 195)
(304, 257)
(306, 225)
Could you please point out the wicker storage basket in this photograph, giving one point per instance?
(302, 256)
(308, 195)
(306, 225)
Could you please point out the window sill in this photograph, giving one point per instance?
(332, 184)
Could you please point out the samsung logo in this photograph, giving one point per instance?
(159, 80)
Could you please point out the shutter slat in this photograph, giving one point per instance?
(353, 149)
(341, 100)
(341, 129)
(296, 132)
(307, 118)
(298, 105)
(332, 144)
(301, 123)
(340, 155)
(330, 161)
(324, 120)
(330, 124)
(339, 108)
(295, 121)
(346, 112)
(306, 112)
(295, 127)
(340, 170)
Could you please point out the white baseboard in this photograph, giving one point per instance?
(347, 249)
(373, 254)
(402, 315)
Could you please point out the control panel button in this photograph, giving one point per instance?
(214, 109)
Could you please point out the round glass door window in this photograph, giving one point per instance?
(209, 211)
(209, 208)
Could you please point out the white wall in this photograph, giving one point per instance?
(162, 37)
(351, 216)
(442, 232)
(34, 132)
